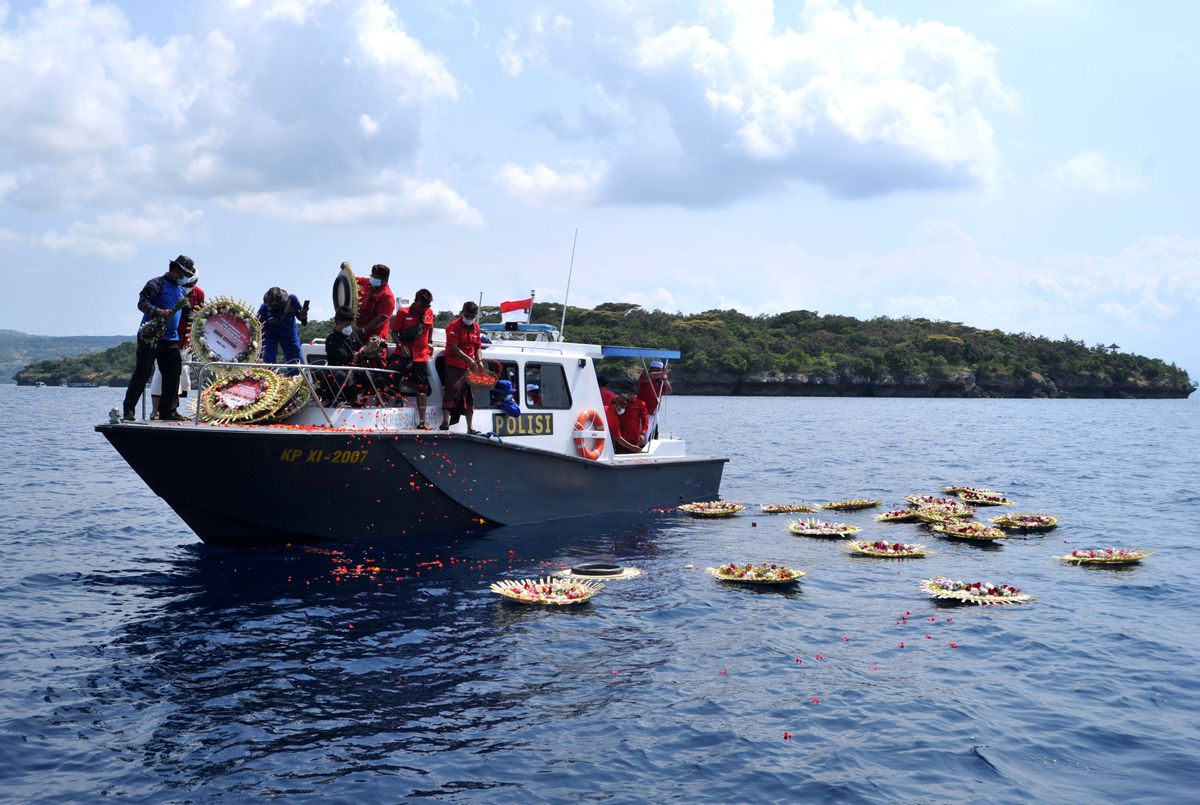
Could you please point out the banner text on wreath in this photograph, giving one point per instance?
(523, 425)
(227, 335)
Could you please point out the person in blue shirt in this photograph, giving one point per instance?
(162, 298)
(281, 315)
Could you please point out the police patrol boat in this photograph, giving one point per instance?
(333, 470)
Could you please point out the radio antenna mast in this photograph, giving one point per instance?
(562, 327)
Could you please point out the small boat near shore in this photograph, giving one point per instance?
(332, 470)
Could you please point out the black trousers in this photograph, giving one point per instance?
(170, 363)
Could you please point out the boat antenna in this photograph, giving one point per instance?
(563, 326)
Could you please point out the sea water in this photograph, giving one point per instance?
(141, 664)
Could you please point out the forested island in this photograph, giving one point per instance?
(801, 353)
(19, 349)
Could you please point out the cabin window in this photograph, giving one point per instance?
(508, 371)
(546, 386)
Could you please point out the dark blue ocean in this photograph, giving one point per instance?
(141, 665)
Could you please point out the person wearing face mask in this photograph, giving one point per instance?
(376, 302)
(162, 298)
(634, 419)
(341, 349)
(412, 327)
(195, 297)
(462, 353)
(281, 315)
(613, 409)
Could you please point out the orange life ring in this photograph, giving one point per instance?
(589, 420)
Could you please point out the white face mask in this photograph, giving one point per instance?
(347, 330)
(376, 282)
(469, 321)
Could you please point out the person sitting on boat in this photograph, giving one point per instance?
(341, 348)
(533, 394)
(613, 410)
(653, 385)
(376, 302)
(161, 298)
(502, 398)
(412, 327)
(634, 420)
(195, 299)
(462, 355)
(281, 315)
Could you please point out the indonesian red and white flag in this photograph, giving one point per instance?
(516, 311)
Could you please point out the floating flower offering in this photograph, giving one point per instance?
(756, 574)
(850, 504)
(896, 516)
(821, 528)
(923, 501)
(788, 508)
(974, 490)
(1026, 522)
(968, 530)
(549, 592)
(985, 498)
(1105, 556)
(887, 550)
(712, 508)
(978, 592)
(943, 513)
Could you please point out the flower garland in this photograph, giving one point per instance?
(789, 508)
(984, 498)
(885, 550)
(897, 516)
(547, 591)
(850, 504)
(1105, 556)
(756, 574)
(821, 528)
(227, 325)
(1026, 522)
(712, 508)
(293, 395)
(968, 530)
(978, 592)
(241, 395)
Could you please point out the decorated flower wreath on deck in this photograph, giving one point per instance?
(897, 516)
(968, 530)
(226, 329)
(789, 508)
(984, 498)
(756, 574)
(243, 395)
(712, 508)
(887, 550)
(820, 528)
(977, 592)
(1105, 556)
(850, 504)
(1026, 522)
(547, 591)
(293, 395)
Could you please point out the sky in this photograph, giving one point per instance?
(1027, 165)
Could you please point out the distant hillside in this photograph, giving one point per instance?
(802, 353)
(20, 349)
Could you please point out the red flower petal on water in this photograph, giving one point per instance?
(933, 619)
(874, 667)
(949, 619)
(787, 736)
(901, 645)
(954, 645)
(724, 671)
(820, 656)
(799, 660)
(815, 700)
(845, 638)
(908, 612)
(928, 637)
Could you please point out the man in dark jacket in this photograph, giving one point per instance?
(341, 349)
(164, 298)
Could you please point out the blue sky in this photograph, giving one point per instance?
(1028, 165)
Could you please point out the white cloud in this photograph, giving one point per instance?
(1092, 170)
(383, 40)
(543, 184)
(731, 102)
(118, 236)
(8, 181)
(369, 126)
(405, 201)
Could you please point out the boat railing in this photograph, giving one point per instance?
(336, 379)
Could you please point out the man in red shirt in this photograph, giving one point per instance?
(413, 328)
(462, 353)
(653, 385)
(606, 394)
(375, 304)
(612, 415)
(634, 419)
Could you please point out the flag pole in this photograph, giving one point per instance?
(532, 295)
(563, 326)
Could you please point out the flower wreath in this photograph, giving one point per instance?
(243, 395)
(293, 395)
(886, 550)
(850, 504)
(1105, 556)
(897, 516)
(984, 498)
(756, 574)
(1026, 522)
(712, 508)
(226, 307)
(789, 508)
(968, 530)
(944, 513)
(978, 592)
(820, 528)
(547, 591)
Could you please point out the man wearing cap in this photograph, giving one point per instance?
(653, 385)
(376, 302)
(533, 395)
(163, 298)
(413, 328)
